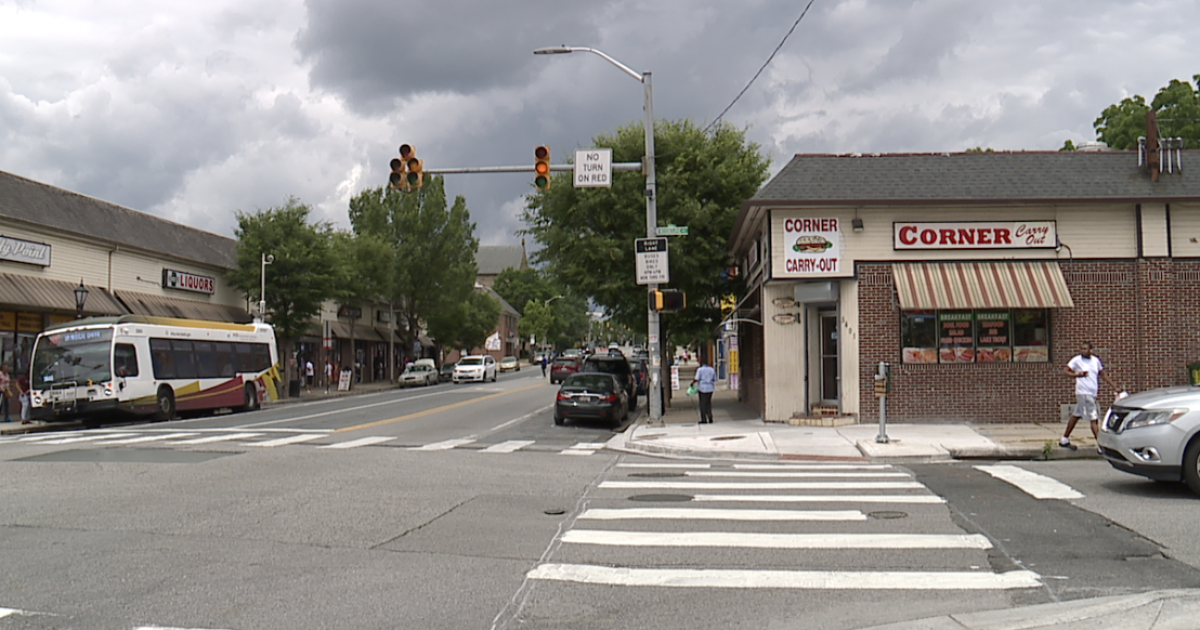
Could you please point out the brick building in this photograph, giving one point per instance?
(975, 276)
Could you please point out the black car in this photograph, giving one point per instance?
(642, 374)
(591, 396)
(446, 372)
(617, 366)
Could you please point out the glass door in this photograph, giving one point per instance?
(829, 357)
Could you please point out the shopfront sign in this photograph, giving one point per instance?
(811, 247)
(17, 250)
(184, 281)
(975, 235)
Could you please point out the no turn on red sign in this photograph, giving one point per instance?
(593, 168)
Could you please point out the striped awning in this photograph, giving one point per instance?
(981, 285)
(163, 306)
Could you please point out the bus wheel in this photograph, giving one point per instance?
(250, 397)
(166, 404)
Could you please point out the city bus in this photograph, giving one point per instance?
(135, 365)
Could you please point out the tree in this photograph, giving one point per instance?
(467, 324)
(428, 251)
(565, 320)
(588, 234)
(305, 271)
(1177, 106)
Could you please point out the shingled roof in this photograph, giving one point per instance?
(32, 202)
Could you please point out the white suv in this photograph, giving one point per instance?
(475, 367)
(1155, 434)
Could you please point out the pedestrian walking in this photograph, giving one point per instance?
(23, 396)
(328, 374)
(1087, 370)
(310, 375)
(544, 362)
(6, 392)
(706, 383)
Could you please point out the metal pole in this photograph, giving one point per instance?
(652, 315)
(882, 438)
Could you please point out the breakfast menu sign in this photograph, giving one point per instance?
(810, 247)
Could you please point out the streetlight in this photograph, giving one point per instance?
(262, 291)
(81, 294)
(551, 300)
(651, 214)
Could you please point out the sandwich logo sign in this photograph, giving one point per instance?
(812, 247)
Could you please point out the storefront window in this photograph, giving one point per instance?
(994, 336)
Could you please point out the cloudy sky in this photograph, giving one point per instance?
(193, 110)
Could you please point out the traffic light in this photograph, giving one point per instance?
(396, 179)
(414, 169)
(667, 300)
(541, 168)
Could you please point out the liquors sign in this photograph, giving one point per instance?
(185, 281)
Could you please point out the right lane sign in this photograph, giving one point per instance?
(652, 267)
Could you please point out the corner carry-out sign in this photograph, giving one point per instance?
(811, 246)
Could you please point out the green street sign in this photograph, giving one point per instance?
(672, 230)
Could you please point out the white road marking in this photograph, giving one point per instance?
(87, 438)
(813, 466)
(48, 436)
(444, 445)
(291, 439)
(823, 498)
(576, 451)
(218, 438)
(152, 438)
(649, 465)
(507, 447)
(830, 580)
(595, 446)
(1033, 484)
(776, 541)
(787, 485)
(794, 474)
(367, 441)
(725, 515)
(4, 612)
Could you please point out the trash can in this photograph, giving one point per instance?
(1194, 373)
(294, 388)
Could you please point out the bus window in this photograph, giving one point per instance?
(206, 360)
(161, 359)
(244, 357)
(225, 359)
(185, 358)
(125, 360)
(262, 357)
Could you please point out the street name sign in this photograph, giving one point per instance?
(652, 267)
(593, 168)
(671, 230)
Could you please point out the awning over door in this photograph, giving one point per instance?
(160, 306)
(18, 291)
(981, 285)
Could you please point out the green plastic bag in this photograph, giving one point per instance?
(691, 390)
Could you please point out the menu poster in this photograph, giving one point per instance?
(992, 338)
(956, 337)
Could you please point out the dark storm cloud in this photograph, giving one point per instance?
(371, 51)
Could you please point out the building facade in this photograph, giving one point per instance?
(973, 277)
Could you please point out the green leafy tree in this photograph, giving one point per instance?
(305, 272)
(1177, 106)
(588, 234)
(427, 252)
(565, 318)
(467, 324)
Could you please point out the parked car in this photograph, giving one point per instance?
(572, 352)
(641, 372)
(1155, 434)
(591, 395)
(536, 359)
(418, 374)
(562, 367)
(446, 372)
(510, 363)
(475, 367)
(617, 365)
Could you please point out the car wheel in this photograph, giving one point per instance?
(166, 404)
(249, 398)
(1191, 466)
(558, 421)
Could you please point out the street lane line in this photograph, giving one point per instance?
(795, 474)
(788, 485)
(823, 498)
(152, 438)
(418, 414)
(367, 441)
(335, 412)
(776, 541)
(217, 438)
(507, 447)
(724, 515)
(1033, 484)
(829, 580)
(291, 439)
(444, 445)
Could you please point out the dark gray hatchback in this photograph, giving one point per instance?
(591, 396)
(617, 366)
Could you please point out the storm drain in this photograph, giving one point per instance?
(724, 438)
(661, 498)
(887, 514)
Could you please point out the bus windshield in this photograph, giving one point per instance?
(72, 356)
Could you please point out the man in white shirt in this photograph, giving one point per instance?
(1087, 370)
(309, 376)
(705, 382)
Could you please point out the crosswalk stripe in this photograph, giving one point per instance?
(823, 498)
(776, 541)
(829, 580)
(444, 445)
(291, 439)
(47, 436)
(650, 465)
(1033, 484)
(367, 441)
(795, 474)
(507, 447)
(727, 515)
(217, 438)
(152, 438)
(789, 485)
(88, 438)
(576, 451)
(817, 466)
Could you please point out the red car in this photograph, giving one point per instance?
(562, 367)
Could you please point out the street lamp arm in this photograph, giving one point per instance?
(558, 50)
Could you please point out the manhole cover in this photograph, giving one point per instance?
(887, 514)
(657, 474)
(721, 438)
(664, 498)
